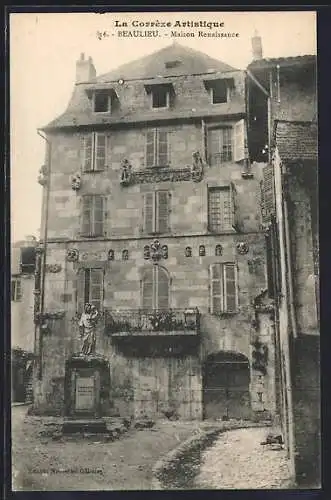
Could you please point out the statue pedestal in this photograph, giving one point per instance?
(86, 390)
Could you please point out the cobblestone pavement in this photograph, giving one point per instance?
(237, 460)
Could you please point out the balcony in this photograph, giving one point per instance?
(143, 322)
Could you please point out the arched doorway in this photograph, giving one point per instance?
(226, 379)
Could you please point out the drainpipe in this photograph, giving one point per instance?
(44, 251)
(203, 141)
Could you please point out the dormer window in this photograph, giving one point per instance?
(160, 95)
(103, 99)
(102, 102)
(219, 90)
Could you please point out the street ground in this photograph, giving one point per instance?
(237, 460)
(42, 463)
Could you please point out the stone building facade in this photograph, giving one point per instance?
(288, 103)
(22, 324)
(153, 215)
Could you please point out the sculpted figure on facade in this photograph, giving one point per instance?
(87, 325)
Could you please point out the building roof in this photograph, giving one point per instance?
(296, 140)
(283, 61)
(188, 61)
(152, 68)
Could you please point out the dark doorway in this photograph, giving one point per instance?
(226, 379)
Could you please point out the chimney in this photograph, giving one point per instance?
(257, 46)
(85, 70)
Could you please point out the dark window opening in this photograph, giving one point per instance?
(160, 97)
(172, 64)
(28, 260)
(258, 140)
(101, 102)
(219, 92)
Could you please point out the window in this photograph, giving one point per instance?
(226, 143)
(156, 212)
(220, 209)
(160, 96)
(220, 145)
(157, 148)
(16, 290)
(28, 260)
(90, 288)
(94, 151)
(223, 288)
(155, 288)
(92, 215)
(219, 92)
(102, 101)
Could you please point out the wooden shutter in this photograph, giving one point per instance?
(268, 201)
(87, 211)
(100, 148)
(81, 299)
(18, 291)
(162, 211)
(87, 148)
(239, 140)
(214, 146)
(216, 297)
(162, 288)
(150, 148)
(234, 206)
(98, 215)
(230, 291)
(162, 148)
(148, 289)
(149, 217)
(96, 288)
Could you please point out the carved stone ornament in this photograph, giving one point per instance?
(147, 253)
(197, 167)
(43, 176)
(53, 268)
(126, 172)
(76, 181)
(218, 250)
(72, 255)
(242, 248)
(202, 250)
(188, 252)
(125, 255)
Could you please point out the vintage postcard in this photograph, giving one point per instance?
(164, 253)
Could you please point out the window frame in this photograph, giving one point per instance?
(109, 101)
(223, 286)
(156, 270)
(219, 155)
(212, 93)
(159, 88)
(156, 148)
(16, 289)
(94, 137)
(82, 297)
(230, 227)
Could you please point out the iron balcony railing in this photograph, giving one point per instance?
(144, 322)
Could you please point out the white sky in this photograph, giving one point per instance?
(43, 52)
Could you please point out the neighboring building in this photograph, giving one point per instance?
(290, 216)
(158, 150)
(22, 324)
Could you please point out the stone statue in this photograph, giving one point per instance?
(87, 324)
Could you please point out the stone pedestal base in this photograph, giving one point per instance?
(80, 426)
